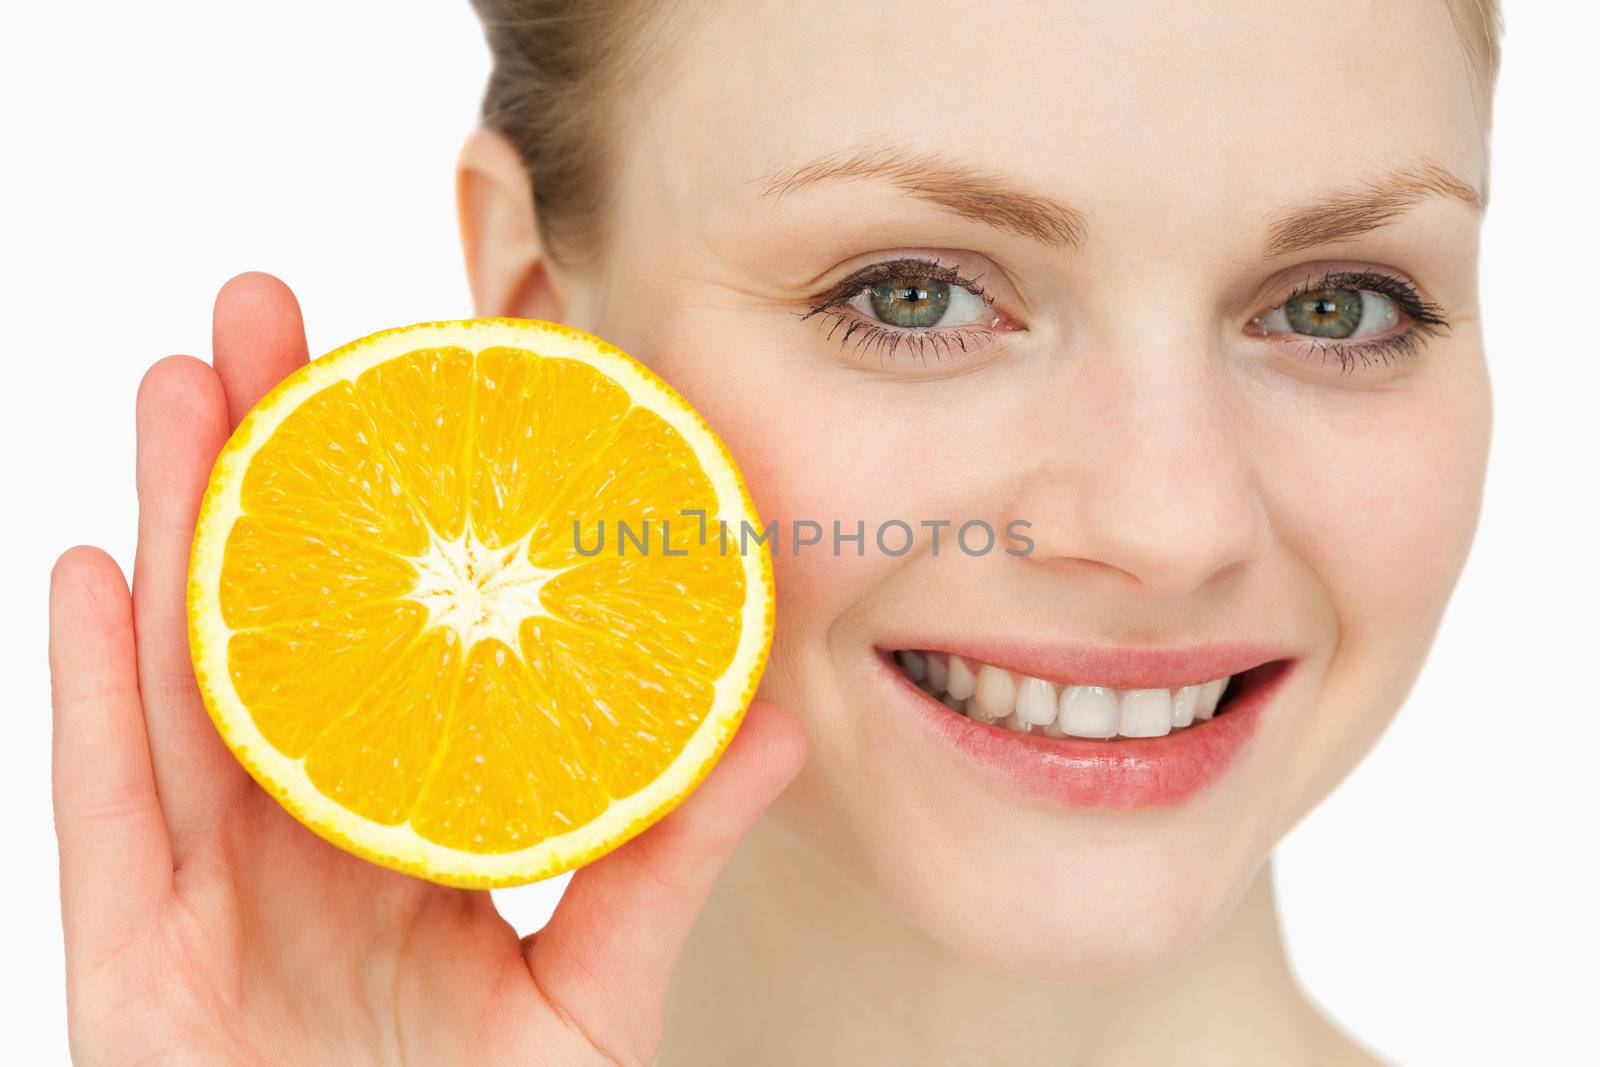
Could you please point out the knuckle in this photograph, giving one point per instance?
(172, 686)
(661, 862)
(100, 805)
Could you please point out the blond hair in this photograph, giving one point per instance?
(1480, 26)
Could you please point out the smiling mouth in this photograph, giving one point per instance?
(995, 696)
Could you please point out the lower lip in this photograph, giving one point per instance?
(1117, 773)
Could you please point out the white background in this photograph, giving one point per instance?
(1441, 905)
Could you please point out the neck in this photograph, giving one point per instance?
(793, 962)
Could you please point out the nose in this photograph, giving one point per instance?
(1144, 472)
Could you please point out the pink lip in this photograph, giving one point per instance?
(1120, 773)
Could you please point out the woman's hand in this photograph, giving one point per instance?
(204, 925)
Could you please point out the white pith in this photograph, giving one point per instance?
(989, 694)
(400, 845)
(478, 591)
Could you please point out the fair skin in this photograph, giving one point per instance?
(1185, 478)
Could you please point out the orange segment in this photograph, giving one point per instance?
(645, 599)
(376, 759)
(429, 456)
(633, 711)
(322, 467)
(543, 427)
(508, 774)
(400, 624)
(646, 479)
(275, 572)
(297, 677)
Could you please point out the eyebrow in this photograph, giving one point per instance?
(957, 187)
(1348, 213)
(983, 197)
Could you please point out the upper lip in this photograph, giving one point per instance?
(1124, 667)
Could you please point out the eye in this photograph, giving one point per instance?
(1363, 318)
(920, 306)
(1332, 314)
(912, 301)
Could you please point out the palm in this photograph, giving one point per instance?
(279, 943)
(203, 924)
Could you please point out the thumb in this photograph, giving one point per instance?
(605, 958)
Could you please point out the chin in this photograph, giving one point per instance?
(1104, 900)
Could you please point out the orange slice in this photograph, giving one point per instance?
(458, 598)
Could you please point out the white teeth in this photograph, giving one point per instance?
(1036, 701)
(962, 683)
(1089, 711)
(914, 664)
(989, 694)
(1145, 713)
(1183, 704)
(996, 694)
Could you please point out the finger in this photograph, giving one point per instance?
(116, 865)
(257, 337)
(606, 956)
(183, 422)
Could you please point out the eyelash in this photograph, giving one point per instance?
(1427, 318)
(887, 339)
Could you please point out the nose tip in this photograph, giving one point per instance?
(1165, 545)
(1168, 501)
(1172, 552)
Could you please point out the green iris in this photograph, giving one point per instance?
(910, 301)
(1325, 312)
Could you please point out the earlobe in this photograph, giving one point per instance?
(507, 269)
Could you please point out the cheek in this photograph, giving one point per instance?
(1391, 502)
(1381, 507)
(824, 449)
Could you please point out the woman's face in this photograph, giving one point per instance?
(1203, 451)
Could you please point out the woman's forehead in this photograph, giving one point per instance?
(1104, 103)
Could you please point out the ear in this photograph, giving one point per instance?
(507, 268)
